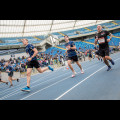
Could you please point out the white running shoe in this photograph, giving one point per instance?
(82, 71)
(73, 75)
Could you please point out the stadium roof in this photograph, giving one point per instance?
(23, 28)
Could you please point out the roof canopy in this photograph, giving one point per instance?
(23, 28)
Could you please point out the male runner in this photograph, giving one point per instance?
(10, 70)
(1, 78)
(70, 46)
(97, 53)
(101, 39)
(32, 62)
(90, 55)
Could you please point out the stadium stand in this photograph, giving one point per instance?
(15, 41)
(74, 32)
(59, 50)
(86, 30)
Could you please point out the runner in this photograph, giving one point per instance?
(90, 55)
(32, 62)
(1, 78)
(9, 70)
(70, 46)
(97, 53)
(101, 38)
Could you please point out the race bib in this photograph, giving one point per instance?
(101, 40)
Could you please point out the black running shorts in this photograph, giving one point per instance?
(97, 53)
(104, 52)
(10, 74)
(74, 58)
(33, 63)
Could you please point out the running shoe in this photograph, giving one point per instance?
(109, 68)
(26, 89)
(17, 80)
(82, 71)
(112, 62)
(10, 85)
(50, 68)
(73, 75)
(6, 83)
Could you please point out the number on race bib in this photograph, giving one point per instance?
(101, 40)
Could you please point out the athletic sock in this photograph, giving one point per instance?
(109, 68)
(112, 62)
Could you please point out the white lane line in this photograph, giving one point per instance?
(7, 89)
(36, 75)
(81, 82)
(24, 82)
(78, 84)
(33, 86)
(18, 89)
(52, 84)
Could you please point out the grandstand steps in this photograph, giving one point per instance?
(88, 29)
(61, 33)
(114, 23)
(105, 27)
(88, 42)
(37, 38)
(116, 36)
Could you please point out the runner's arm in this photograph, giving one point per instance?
(73, 48)
(96, 40)
(35, 52)
(108, 40)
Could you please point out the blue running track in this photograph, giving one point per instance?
(95, 84)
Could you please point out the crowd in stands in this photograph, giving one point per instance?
(45, 59)
(20, 64)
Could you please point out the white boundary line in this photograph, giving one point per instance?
(63, 80)
(51, 85)
(15, 92)
(5, 91)
(80, 82)
(43, 88)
